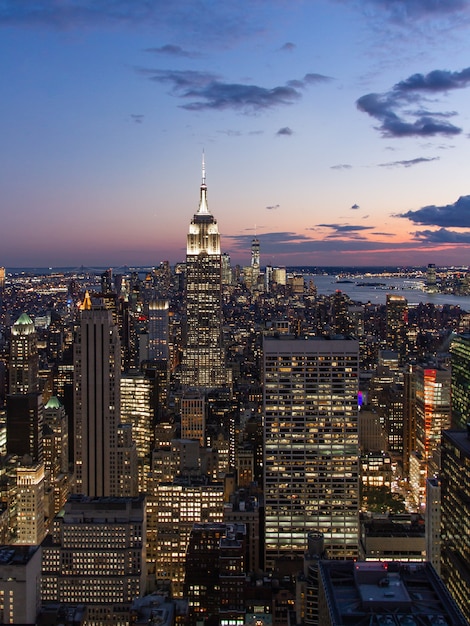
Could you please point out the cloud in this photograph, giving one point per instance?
(341, 166)
(442, 236)
(137, 118)
(355, 207)
(391, 108)
(286, 131)
(288, 47)
(273, 207)
(342, 230)
(408, 163)
(208, 91)
(455, 215)
(171, 50)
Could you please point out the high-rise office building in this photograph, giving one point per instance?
(95, 555)
(24, 361)
(193, 416)
(24, 425)
(173, 509)
(433, 409)
(159, 330)
(455, 515)
(311, 446)
(203, 357)
(460, 380)
(396, 323)
(97, 373)
(30, 504)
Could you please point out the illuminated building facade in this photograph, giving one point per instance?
(311, 446)
(97, 373)
(203, 356)
(95, 555)
(138, 410)
(433, 411)
(455, 515)
(24, 360)
(460, 380)
(30, 504)
(172, 510)
(193, 416)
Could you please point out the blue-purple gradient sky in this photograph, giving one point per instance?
(337, 131)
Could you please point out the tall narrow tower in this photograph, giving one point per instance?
(24, 361)
(97, 374)
(203, 358)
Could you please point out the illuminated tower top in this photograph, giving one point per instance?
(203, 234)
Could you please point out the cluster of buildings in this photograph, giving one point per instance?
(214, 445)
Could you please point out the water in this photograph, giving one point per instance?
(327, 284)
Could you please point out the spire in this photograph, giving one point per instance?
(203, 197)
(86, 304)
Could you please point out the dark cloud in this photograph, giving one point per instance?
(286, 131)
(171, 50)
(273, 207)
(443, 236)
(341, 166)
(345, 230)
(408, 163)
(392, 109)
(355, 206)
(208, 91)
(437, 80)
(288, 245)
(288, 47)
(455, 215)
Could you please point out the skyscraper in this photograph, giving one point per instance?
(24, 361)
(203, 357)
(455, 515)
(396, 320)
(460, 380)
(311, 446)
(158, 330)
(97, 373)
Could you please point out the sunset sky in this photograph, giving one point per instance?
(336, 131)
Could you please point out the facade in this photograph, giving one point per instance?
(396, 323)
(203, 356)
(97, 373)
(193, 416)
(455, 515)
(20, 574)
(30, 504)
(433, 523)
(95, 555)
(460, 381)
(138, 410)
(215, 573)
(433, 415)
(311, 446)
(173, 509)
(24, 361)
(25, 425)
(159, 330)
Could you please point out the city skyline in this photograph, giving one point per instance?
(335, 131)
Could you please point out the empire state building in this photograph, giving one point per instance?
(203, 357)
